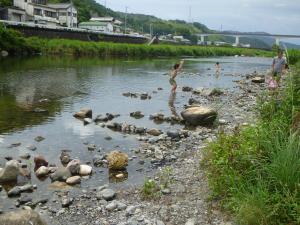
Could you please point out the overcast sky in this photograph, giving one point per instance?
(273, 16)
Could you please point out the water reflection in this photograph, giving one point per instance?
(172, 107)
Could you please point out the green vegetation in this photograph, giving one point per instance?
(149, 189)
(255, 171)
(101, 49)
(13, 42)
(153, 189)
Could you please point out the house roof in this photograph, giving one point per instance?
(94, 24)
(102, 19)
(60, 5)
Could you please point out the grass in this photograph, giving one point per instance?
(102, 49)
(255, 171)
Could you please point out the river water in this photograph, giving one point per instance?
(69, 84)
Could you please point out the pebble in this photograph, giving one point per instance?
(66, 202)
(130, 210)
(39, 138)
(108, 194)
(111, 206)
(26, 156)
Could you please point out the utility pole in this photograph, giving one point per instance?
(151, 30)
(105, 7)
(125, 20)
(190, 14)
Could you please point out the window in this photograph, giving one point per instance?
(74, 14)
(37, 12)
(62, 13)
(50, 14)
(40, 2)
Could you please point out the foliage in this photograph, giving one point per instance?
(13, 42)
(103, 49)
(4, 3)
(149, 189)
(165, 177)
(256, 170)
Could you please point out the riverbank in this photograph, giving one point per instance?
(15, 44)
(254, 172)
(178, 193)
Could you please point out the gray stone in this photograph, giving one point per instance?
(10, 172)
(74, 167)
(198, 115)
(108, 194)
(121, 206)
(26, 156)
(111, 206)
(42, 171)
(65, 157)
(24, 199)
(73, 180)
(84, 113)
(61, 174)
(130, 210)
(39, 138)
(20, 217)
(190, 222)
(66, 202)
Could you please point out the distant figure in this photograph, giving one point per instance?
(218, 68)
(177, 67)
(278, 66)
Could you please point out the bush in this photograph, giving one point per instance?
(256, 170)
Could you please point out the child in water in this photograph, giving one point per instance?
(218, 67)
(177, 67)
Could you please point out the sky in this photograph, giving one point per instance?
(272, 16)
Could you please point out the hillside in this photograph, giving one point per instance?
(141, 23)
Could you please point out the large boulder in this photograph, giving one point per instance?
(199, 115)
(117, 160)
(22, 217)
(258, 80)
(84, 113)
(10, 172)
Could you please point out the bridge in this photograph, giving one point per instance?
(237, 36)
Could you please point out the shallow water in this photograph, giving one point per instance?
(70, 84)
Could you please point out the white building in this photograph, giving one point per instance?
(97, 26)
(38, 11)
(116, 23)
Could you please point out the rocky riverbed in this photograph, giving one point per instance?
(177, 191)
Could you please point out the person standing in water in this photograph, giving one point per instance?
(218, 68)
(177, 67)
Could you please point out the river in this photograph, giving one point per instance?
(39, 95)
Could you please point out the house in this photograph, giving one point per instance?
(40, 12)
(66, 13)
(97, 26)
(12, 14)
(116, 23)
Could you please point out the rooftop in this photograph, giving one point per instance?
(60, 5)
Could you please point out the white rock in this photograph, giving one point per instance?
(85, 170)
(42, 171)
(73, 180)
